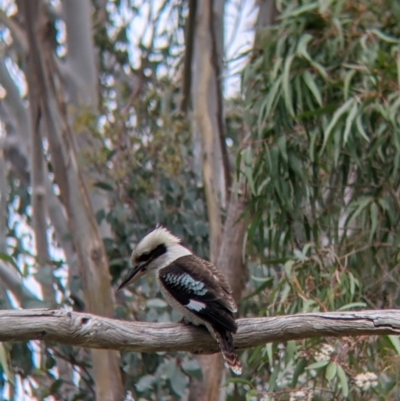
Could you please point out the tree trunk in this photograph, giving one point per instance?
(42, 73)
(225, 243)
(81, 77)
(230, 261)
(204, 102)
(208, 127)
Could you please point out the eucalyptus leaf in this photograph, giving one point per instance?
(178, 382)
(192, 368)
(335, 119)
(395, 343)
(344, 384)
(145, 383)
(287, 93)
(317, 365)
(5, 363)
(353, 305)
(349, 121)
(156, 303)
(331, 370)
(312, 86)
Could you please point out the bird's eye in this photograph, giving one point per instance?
(144, 257)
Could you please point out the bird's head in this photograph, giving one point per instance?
(156, 250)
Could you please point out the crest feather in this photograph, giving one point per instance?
(160, 235)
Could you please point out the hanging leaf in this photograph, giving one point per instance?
(331, 370)
(344, 384)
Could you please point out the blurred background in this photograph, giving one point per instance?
(264, 133)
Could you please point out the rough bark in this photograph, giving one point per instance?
(226, 240)
(89, 245)
(86, 330)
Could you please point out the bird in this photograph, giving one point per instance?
(194, 287)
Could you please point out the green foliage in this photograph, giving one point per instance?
(154, 184)
(146, 168)
(143, 161)
(321, 98)
(322, 101)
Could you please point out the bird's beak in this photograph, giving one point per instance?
(132, 276)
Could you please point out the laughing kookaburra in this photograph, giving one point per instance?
(194, 287)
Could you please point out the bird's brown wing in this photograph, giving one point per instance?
(197, 287)
(221, 281)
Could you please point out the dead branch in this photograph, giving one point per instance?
(90, 331)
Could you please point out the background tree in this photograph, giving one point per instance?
(108, 128)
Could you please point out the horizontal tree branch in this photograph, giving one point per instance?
(86, 330)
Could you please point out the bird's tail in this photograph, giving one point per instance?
(225, 342)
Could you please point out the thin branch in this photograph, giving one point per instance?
(9, 277)
(15, 106)
(17, 32)
(39, 203)
(188, 56)
(37, 181)
(90, 331)
(3, 201)
(13, 282)
(16, 151)
(216, 56)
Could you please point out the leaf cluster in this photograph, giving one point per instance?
(322, 165)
